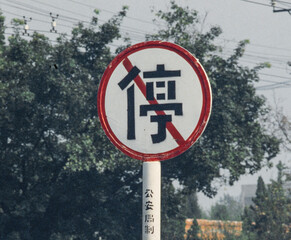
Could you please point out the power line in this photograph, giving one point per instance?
(284, 3)
(34, 19)
(273, 5)
(17, 14)
(13, 6)
(65, 10)
(105, 10)
(42, 12)
(262, 4)
(275, 8)
(61, 9)
(275, 86)
(124, 27)
(271, 75)
(12, 34)
(133, 30)
(127, 29)
(28, 8)
(67, 18)
(254, 44)
(43, 31)
(63, 17)
(256, 57)
(251, 61)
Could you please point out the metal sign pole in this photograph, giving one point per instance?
(151, 202)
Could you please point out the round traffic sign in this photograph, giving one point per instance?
(154, 101)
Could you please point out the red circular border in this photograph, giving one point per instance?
(206, 105)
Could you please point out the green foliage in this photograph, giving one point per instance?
(2, 30)
(226, 209)
(59, 173)
(194, 231)
(219, 212)
(17, 21)
(234, 139)
(269, 217)
(192, 208)
(61, 178)
(173, 218)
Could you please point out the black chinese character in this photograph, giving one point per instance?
(149, 205)
(130, 101)
(149, 229)
(161, 118)
(161, 73)
(149, 193)
(149, 218)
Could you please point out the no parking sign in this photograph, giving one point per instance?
(154, 101)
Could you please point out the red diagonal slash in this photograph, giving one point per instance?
(142, 87)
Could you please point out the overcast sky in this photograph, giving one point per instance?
(269, 34)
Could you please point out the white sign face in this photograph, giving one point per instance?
(154, 101)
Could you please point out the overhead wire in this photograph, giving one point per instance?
(105, 10)
(72, 20)
(29, 10)
(137, 37)
(271, 75)
(75, 13)
(43, 31)
(280, 1)
(58, 8)
(255, 44)
(132, 30)
(12, 34)
(275, 8)
(258, 3)
(36, 19)
(286, 84)
(276, 84)
(287, 4)
(28, 7)
(251, 58)
(262, 4)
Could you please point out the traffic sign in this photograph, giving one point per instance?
(154, 101)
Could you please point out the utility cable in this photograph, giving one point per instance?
(137, 31)
(123, 29)
(35, 19)
(262, 4)
(105, 10)
(67, 18)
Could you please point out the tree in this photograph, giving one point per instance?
(226, 209)
(282, 128)
(260, 205)
(60, 177)
(269, 217)
(192, 208)
(234, 139)
(173, 218)
(194, 231)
